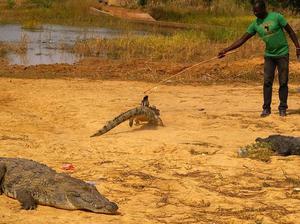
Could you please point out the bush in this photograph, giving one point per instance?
(10, 3)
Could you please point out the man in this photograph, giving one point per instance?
(269, 26)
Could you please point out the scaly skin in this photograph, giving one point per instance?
(283, 145)
(32, 183)
(139, 114)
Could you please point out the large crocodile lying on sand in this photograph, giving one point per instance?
(142, 114)
(263, 148)
(32, 183)
(283, 145)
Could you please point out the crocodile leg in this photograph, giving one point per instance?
(137, 122)
(160, 122)
(26, 200)
(2, 173)
(130, 122)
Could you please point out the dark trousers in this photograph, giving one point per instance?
(282, 64)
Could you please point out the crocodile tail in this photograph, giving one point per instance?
(119, 119)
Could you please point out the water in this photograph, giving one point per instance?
(45, 44)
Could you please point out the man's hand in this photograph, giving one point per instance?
(294, 38)
(298, 53)
(222, 53)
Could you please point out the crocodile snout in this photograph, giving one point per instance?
(112, 207)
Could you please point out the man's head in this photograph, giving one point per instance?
(259, 9)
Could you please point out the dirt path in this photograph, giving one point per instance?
(186, 172)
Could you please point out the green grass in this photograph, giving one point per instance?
(67, 12)
(10, 3)
(77, 12)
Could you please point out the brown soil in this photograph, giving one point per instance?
(214, 72)
(186, 172)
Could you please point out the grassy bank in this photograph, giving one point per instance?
(219, 24)
(182, 47)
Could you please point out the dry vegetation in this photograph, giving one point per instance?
(257, 151)
(20, 47)
(184, 47)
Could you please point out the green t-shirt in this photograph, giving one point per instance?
(270, 30)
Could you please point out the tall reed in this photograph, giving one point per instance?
(182, 47)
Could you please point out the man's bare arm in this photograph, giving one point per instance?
(294, 38)
(292, 35)
(236, 44)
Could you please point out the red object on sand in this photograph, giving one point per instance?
(68, 166)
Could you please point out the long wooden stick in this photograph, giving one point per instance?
(186, 69)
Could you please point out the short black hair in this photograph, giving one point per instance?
(260, 4)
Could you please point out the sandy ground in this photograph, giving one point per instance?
(186, 172)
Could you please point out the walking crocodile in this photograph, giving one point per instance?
(33, 183)
(142, 114)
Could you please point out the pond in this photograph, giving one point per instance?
(46, 45)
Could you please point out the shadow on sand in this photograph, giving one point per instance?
(291, 112)
(143, 127)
